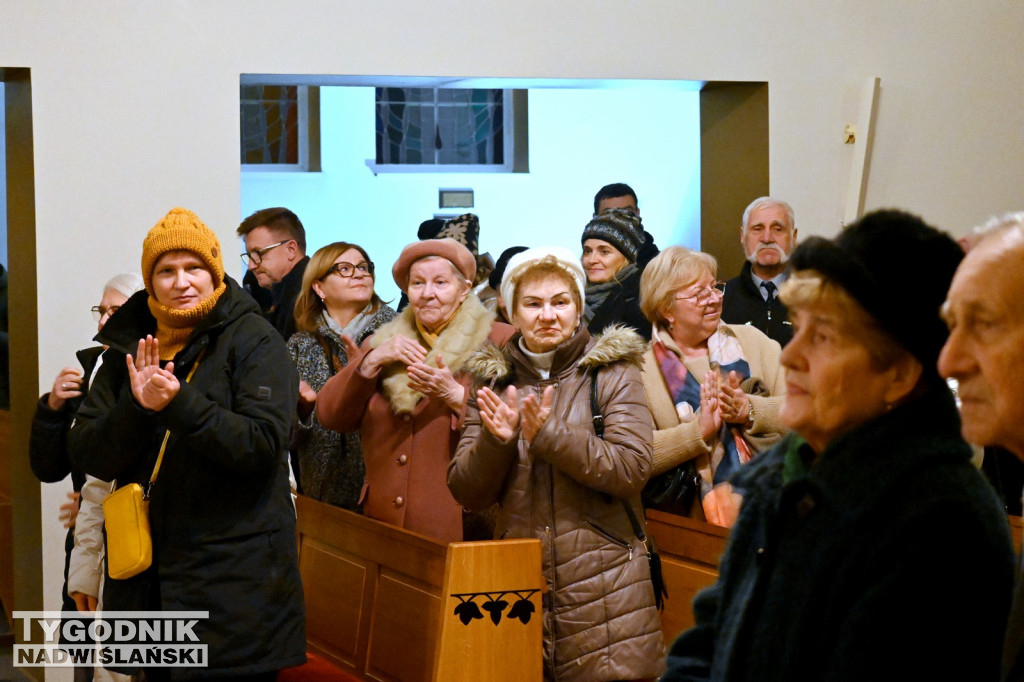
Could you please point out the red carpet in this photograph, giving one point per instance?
(316, 669)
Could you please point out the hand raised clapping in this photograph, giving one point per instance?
(399, 348)
(436, 382)
(501, 416)
(733, 402)
(153, 387)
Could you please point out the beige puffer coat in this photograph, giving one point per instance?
(566, 488)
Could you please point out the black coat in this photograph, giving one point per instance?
(221, 514)
(48, 449)
(743, 304)
(283, 294)
(889, 560)
(622, 306)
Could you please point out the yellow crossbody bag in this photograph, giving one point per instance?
(126, 519)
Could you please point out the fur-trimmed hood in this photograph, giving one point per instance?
(467, 331)
(494, 365)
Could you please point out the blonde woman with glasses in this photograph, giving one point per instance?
(714, 389)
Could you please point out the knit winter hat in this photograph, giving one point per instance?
(620, 228)
(898, 268)
(465, 229)
(521, 262)
(181, 230)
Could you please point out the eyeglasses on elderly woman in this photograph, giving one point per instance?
(99, 312)
(705, 296)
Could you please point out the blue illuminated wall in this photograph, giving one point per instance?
(579, 140)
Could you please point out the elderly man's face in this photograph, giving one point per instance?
(769, 237)
(985, 313)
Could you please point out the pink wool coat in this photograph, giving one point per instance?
(409, 439)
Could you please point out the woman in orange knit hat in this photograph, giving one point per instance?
(192, 359)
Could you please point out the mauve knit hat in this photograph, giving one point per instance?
(898, 268)
(620, 228)
(181, 230)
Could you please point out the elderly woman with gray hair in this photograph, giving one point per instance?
(868, 546)
(714, 389)
(48, 456)
(405, 391)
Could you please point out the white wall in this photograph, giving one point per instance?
(580, 140)
(135, 105)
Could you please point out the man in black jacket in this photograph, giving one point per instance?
(984, 311)
(768, 234)
(275, 254)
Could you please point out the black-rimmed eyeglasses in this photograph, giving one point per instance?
(256, 255)
(99, 312)
(344, 269)
(706, 295)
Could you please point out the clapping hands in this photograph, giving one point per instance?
(153, 387)
(503, 415)
(721, 400)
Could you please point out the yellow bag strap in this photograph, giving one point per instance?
(167, 435)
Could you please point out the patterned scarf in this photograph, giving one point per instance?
(726, 355)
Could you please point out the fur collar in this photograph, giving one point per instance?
(617, 343)
(467, 331)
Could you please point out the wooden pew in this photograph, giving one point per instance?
(690, 551)
(378, 597)
(380, 601)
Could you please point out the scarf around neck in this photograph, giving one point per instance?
(597, 294)
(174, 327)
(725, 355)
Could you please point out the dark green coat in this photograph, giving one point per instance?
(889, 560)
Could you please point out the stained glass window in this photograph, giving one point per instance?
(440, 126)
(270, 124)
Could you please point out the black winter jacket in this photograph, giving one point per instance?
(221, 514)
(622, 307)
(743, 304)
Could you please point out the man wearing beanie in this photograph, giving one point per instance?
(611, 243)
(197, 387)
(275, 255)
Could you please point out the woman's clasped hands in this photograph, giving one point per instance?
(502, 415)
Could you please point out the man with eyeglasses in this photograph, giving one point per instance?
(275, 257)
(768, 235)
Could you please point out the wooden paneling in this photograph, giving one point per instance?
(690, 552)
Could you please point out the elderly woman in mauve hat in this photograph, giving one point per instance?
(868, 547)
(196, 379)
(405, 390)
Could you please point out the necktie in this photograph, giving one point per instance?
(770, 288)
